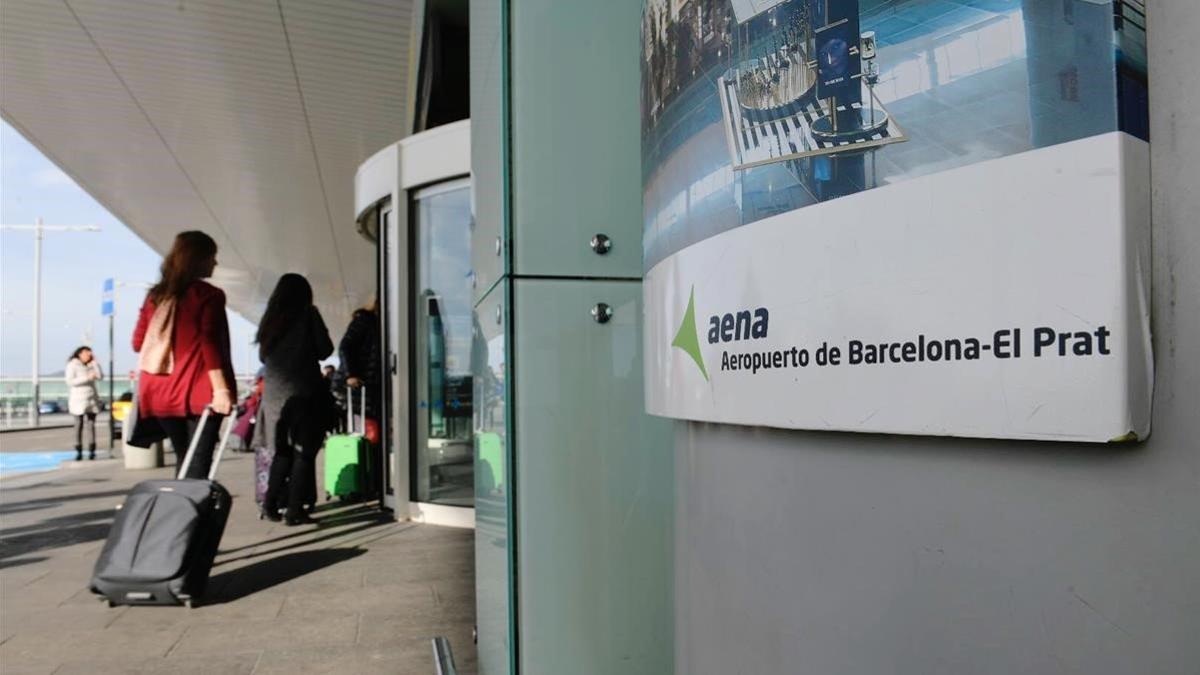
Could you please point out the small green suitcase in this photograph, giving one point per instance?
(346, 457)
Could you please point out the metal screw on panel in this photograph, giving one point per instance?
(602, 312)
(601, 244)
(498, 245)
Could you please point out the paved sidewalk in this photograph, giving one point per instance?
(357, 594)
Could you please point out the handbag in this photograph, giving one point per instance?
(136, 430)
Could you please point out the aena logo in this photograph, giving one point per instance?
(686, 337)
(730, 327)
(739, 326)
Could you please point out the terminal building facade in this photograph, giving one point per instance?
(541, 194)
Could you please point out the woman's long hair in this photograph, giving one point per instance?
(289, 302)
(187, 262)
(80, 350)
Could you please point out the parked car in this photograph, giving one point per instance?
(49, 408)
(120, 411)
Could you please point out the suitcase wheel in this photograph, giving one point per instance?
(110, 603)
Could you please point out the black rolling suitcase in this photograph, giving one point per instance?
(164, 538)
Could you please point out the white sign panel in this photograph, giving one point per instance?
(956, 243)
(963, 312)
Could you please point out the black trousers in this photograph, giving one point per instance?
(89, 420)
(299, 433)
(293, 479)
(181, 429)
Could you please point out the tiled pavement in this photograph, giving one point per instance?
(357, 594)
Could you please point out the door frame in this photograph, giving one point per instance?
(397, 172)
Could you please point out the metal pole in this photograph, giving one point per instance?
(37, 320)
(112, 423)
(38, 229)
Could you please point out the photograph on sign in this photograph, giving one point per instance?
(950, 197)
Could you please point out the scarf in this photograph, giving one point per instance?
(157, 356)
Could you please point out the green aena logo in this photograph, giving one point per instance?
(729, 327)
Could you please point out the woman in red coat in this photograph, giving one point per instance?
(182, 338)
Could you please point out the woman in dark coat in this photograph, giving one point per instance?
(296, 408)
(360, 353)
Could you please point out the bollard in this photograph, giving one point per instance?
(143, 458)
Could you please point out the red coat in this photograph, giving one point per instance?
(200, 344)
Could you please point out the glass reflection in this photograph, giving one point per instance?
(442, 332)
(493, 592)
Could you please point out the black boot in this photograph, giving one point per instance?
(301, 518)
(78, 453)
(92, 451)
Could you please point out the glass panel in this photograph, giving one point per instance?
(493, 492)
(494, 575)
(389, 286)
(575, 143)
(489, 139)
(442, 336)
(596, 479)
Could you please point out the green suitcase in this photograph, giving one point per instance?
(346, 457)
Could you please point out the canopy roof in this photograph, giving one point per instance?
(243, 118)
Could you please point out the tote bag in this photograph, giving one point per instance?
(136, 430)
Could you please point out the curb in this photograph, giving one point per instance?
(75, 465)
(40, 427)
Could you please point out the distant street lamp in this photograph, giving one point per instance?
(38, 228)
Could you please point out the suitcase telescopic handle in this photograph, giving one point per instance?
(187, 460)
(229, 424)
(362, 409)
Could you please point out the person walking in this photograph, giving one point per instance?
(297, 409)
(182, 340)
(247, 416)
(82, 400)
(360, 354)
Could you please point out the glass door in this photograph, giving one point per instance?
(443, 440)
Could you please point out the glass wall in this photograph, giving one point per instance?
(442, 339)
(493, 488)
(495, 540)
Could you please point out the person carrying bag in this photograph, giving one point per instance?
(297, 409)
(184, 364)
(83, 402)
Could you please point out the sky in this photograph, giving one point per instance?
(74, 267)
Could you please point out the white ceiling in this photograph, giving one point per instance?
(243, 118)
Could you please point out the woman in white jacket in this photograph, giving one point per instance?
(82, 374)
